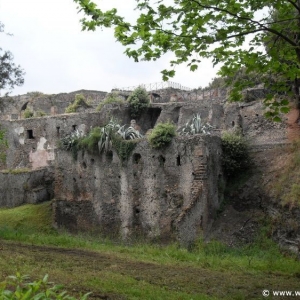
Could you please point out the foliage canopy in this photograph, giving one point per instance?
(10, 74)
(194, 29)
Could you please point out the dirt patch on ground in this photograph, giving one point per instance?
(82, 271)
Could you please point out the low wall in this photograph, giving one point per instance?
(18, 187)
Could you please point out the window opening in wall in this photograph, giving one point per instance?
(109, 156)
(30, 134)
(232, 123)
(57, 131)
(136, 158)
(178, 160)
(74, 127)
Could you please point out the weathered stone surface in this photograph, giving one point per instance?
(167, 194)
(26, 186)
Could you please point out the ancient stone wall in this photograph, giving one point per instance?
(32, 141)
(167, 194)
(25, 186)
(249, 119)
(12, 108)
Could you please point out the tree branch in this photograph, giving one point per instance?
(294, 4)
(257, 23)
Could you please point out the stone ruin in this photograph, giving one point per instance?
(168, 194)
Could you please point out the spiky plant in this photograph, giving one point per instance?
(107, 132)
(129, 133)
(195, 126)
(71, 139)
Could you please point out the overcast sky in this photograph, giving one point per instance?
(58, 57)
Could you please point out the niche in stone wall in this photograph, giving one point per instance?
(148, 118)
(136, 158)
(30, 134)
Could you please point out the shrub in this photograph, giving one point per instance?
(110, 99)
(235, 154)
(138, 102)
(90, 142)
(79, 101)
(18, 287)
(40, 113)
(162, 135)
(35, 94)
(28, 113)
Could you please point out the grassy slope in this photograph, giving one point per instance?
(82, 263)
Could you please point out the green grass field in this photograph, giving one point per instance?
(82, 263)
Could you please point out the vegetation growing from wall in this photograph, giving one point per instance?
(78, 102)
(3, 146)
(35, 94)
(111, 98)
(235, 158)
(28, 113)
(40, 113)
(162, 135)
(103, 139)
(195, 126)
(123, 147)
(19, 287)
(71, 141)
(287, 182)
(16, 171)
(138, 102)
(90, 142)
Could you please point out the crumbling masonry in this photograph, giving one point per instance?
(169, 194)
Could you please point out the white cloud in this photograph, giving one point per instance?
(58, 57)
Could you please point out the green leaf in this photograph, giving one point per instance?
(193, 67)
(285, 109)
(277, 119)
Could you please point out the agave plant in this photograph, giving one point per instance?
(195, 126)
(105, 142)
(71, 139)
(129, 133)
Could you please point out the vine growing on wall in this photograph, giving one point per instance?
(3, 146)
(235, 158)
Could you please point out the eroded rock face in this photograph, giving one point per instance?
(167, 194)
(26, 186)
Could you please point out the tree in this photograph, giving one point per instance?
(216, 29)
(10, 74)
